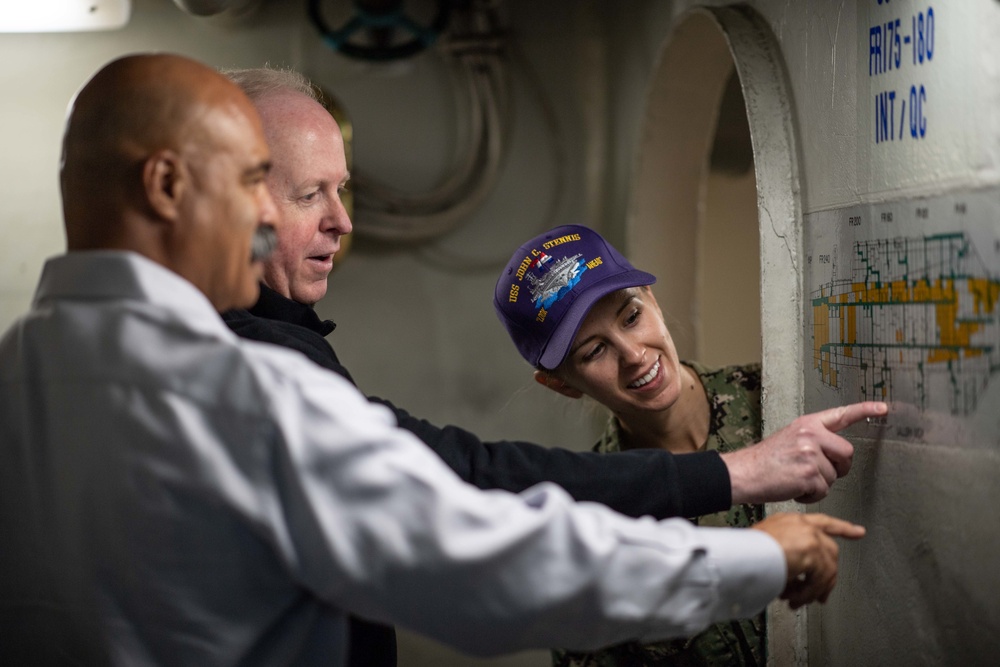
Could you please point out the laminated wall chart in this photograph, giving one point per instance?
(903, 305)
(901, 296)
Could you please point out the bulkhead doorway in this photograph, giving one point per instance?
(693, 219)
(715, 213)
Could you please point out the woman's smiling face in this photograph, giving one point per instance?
(623, 356)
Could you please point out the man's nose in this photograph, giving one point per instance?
(336, 218)
(268, 209)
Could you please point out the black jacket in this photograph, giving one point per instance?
(635, 483)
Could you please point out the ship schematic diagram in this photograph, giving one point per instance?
(913, 320)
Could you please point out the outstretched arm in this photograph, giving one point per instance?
(635, 483)
(381, 526)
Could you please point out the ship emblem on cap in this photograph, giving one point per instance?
(553, 282)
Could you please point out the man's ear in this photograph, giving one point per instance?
(556, 385)
(163, 180)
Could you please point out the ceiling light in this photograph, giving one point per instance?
(63, 15)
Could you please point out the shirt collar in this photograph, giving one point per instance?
(274, 306)
(118, 274)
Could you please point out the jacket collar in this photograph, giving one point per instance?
(274, 306)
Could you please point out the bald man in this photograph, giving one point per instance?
(173, 495)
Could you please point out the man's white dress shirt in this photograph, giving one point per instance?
(171, 494)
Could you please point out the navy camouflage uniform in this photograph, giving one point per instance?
(735, 421)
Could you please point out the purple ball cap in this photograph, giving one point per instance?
(551, 283)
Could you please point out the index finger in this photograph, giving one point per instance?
(837, 419)
(835, 527)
